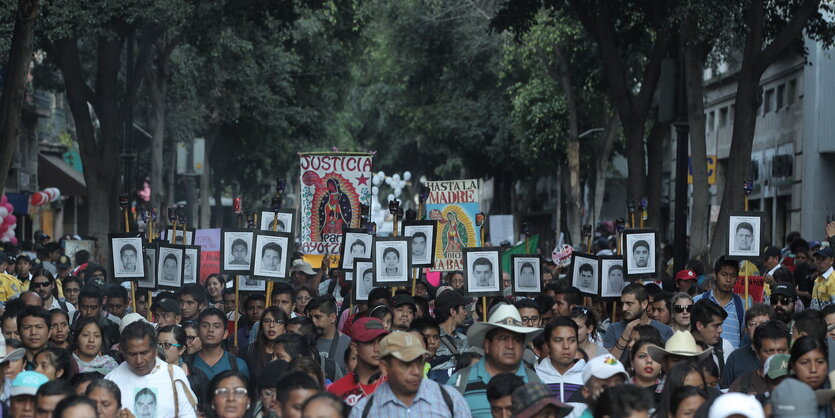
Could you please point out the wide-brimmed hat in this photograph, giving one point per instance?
(506, 317)
(682, 344)
(5, 355)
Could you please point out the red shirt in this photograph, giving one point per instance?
(352, 392)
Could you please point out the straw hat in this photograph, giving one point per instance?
(682, 344)
(505, 316)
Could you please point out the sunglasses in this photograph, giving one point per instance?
(683, 308)
(40, 284)
(783, 300)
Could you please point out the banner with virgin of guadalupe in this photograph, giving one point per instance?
(333, 186)
(454, 204)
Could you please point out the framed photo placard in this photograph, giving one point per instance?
(526, 274)
(423, 241)
(126, 253)
(585, 274)
(149, 282)
(392, 260)
(189, 236)
(482, 271)
(170, 266)
(612, 276)
(364, 272)
(236, 251)
(286, 221)
(745, 235)
(271, 255)
(356, 243)
(640, 253)
(191, 264)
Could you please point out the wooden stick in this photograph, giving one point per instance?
(619, 244)
(632, 219)
(484, 307)
(235, 343)
(127, 224)
(133, 295)
(269, 293)
(171, 239)
(415, 273)
(614, 310)
(746, 289)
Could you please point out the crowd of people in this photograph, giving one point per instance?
(76, 344)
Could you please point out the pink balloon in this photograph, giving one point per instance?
(13, 240)
(8, 206)
(10, 220)
(3, 229)
(4, 199)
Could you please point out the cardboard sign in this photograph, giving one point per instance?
(209, 242)
(756, 284)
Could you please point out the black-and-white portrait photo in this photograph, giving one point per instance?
(73, 246)
(170, 266)
(236, 251)
(356, 243)
(584, 274)
(392, 259)
(612, 276)
(526, 274)
(126, 255)
(639, 253)
(423, 241)
(191, 264)
(482, 271)
(271, 255)
(251, 284)
(286, 219)
(189, 234)
(364, 272)
(744, 235)
(149, 282)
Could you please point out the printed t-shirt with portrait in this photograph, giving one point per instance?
(151, 396)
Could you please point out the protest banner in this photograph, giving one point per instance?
(333, 187)
(756, 286)
(454, 204)
(209, 242)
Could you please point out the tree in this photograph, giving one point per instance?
(17, 68)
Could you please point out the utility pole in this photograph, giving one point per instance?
(682, 146)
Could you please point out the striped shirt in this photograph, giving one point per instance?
(428, 402)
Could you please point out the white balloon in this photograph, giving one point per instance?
(3, 211)
(397, 191)
(407, 175)
(390, 197)
(375, 181)
(381, 173)
(375, 190)
(395, 177)
(388, 181)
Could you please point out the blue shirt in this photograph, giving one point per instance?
(428, 402)
(221, 365)
(476, 392)
(615, 330)
(731, 327)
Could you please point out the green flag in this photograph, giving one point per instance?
(533, 244)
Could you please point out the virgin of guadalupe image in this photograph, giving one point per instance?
(454, 234)
(334, 210)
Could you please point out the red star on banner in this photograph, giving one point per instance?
(362, 180)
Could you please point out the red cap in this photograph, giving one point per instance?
(367, 329)
(686, 275)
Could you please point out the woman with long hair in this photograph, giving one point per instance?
(230, 396)
(172, 346)
(808, 362)
(645, 370)
(587, 337)
(214, 289)
(682, 306)
(303, 295)
(193, 343)
(383, 313)
(684, 373)
(262, 351)
(685, 401)
(54, 363)
(88, 348)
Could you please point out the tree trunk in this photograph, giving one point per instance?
(602, 166)
(11, 100)
(655, 151)
(756, 58)
(694, 60)
(206, 179)
(157, 92)
(573, 203)
(558, 205)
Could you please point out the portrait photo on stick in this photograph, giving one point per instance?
(126, 255)
(392, 260)
(423, 241)
(744, 235)
(236, 251)
(527, 273)
(640, 253)
(170, 266)
(356, 243)
(482, 271)
(271, 255)
(612, 276)
(286, 221)
(363, 271)
(585, 273)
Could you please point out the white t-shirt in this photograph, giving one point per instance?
(151, 395)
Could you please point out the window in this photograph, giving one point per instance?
(791, 94)
(781, 89)
(768, 104)
(723, 117)
(711, 121)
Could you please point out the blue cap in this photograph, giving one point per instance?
(27, 383)
(824, 252)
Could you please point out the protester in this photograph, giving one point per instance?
(144, 379)
(624, 400)
(726, 272)
(535, 400)
(325, 405)
(90, 344)
(292, 391)
(661, 308)
(229, 394)
(212, 359)
(645, 369)
(192, 299)
(43, 283)
(503, 338)
(54, 363)
(366, 334)
(59, 328)
(451, 313)
(706, 326)
(587, 336)
(23, 393)
(262, 351)
(562, 371)
(793, 399)
(214, 286)
(736, 405)
(108, 398)
(772, 337)
(90, 303)
(404, 390)
(808, 362)
(50, 394)
(744, 359)
(600, 373)
(33, 324)
(634, 299)
(329, 342)
(253, 308)
(499, 391)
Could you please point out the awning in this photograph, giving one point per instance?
(54, 172)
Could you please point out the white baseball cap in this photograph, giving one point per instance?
(736, 404)
(603, 367)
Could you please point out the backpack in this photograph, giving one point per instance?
(444, 393)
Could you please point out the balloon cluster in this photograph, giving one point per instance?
(8, 221)
(48, 195)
